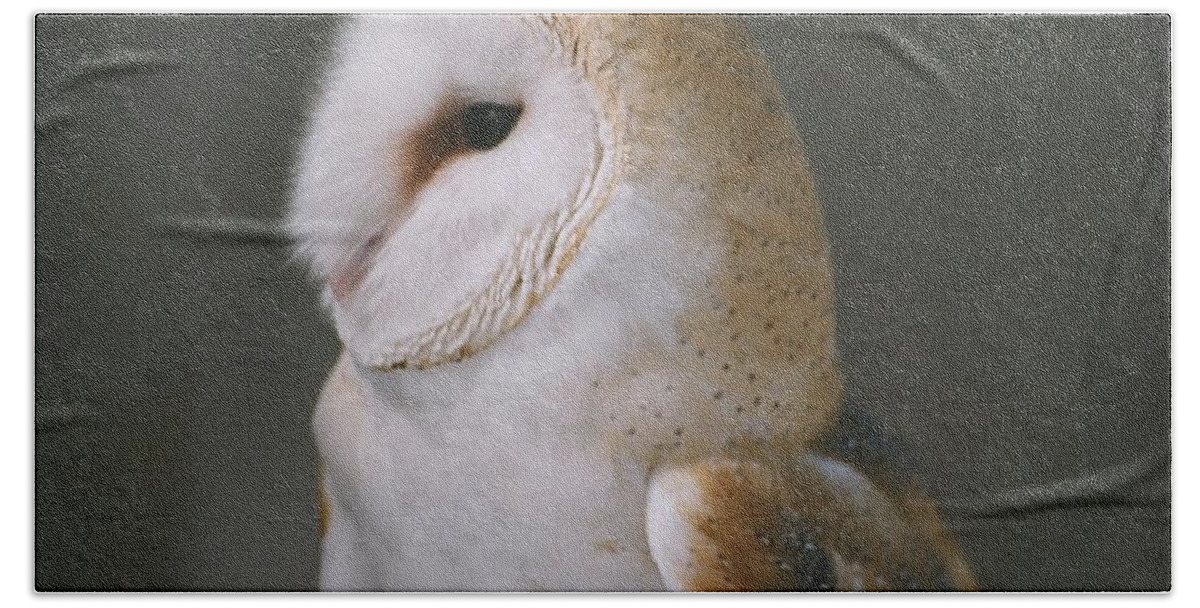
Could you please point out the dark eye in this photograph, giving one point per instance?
(485, 124)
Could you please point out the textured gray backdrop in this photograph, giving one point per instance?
(998, 197)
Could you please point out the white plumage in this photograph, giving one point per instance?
(582, 280)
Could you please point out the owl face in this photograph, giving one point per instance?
(452, 167)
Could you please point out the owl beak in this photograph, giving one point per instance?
(350, 273)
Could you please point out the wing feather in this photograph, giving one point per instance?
(812, 524)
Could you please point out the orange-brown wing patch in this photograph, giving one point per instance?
(813, 525)
(746, 540)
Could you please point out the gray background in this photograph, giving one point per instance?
(997, 191)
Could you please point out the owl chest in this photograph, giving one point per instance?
(522, 467)
(483, 495)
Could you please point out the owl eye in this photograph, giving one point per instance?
(485, 124)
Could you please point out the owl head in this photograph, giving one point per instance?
(452, 167)
(459, 168)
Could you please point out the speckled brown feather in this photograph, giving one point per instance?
(710, 135)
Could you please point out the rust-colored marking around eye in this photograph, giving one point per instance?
(455, 128)
(424, 150)
(417, 157)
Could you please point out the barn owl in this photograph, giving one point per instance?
(583, 286)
